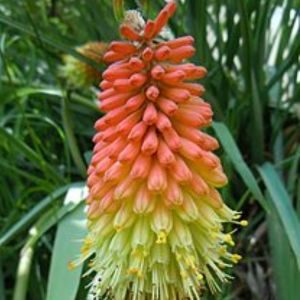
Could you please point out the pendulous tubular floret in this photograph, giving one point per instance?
(155, 215)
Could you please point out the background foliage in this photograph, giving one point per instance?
(252, 51)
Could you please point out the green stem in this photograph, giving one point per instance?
(74, 149)
(23, 273)
(86, 102)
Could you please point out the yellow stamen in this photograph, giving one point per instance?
(91, 263)
(235, 258)
(222, 250)
(88, 240)
(244, 223)
(135, 252)
(85, 249)
(190, 261)
(118, 228)
(200, 276)
(71, 265)
(228, 239)
(135, 271)
(161, 238)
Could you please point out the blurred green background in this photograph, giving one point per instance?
(251, 49)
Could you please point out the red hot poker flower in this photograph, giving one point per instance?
(155, 215)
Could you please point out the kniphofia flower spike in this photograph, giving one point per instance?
(155, 215)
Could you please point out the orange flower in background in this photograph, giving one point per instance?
(155, 215)
(78, 73)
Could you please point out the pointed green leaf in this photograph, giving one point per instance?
(284, 266)
(241, 167)
(283, 206)
(63, 283)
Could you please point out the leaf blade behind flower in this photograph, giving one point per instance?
(241, 167)
(63, 283)
(283, 205)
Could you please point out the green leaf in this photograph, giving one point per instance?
(72, 141)
(63, 284)
(52, 91)
(289, 61)
(283, 206)
(252, 87)
(145, 6)
(198, 11)
(284, 266)
(30, 154)
(293, 172)
(32, 214)
(241, 167)
(118, 6)
(29, 90)
(45, 222)
(51, 42)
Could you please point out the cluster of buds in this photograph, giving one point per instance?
(78, 73)
(155, 215)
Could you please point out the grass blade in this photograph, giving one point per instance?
(283, 206)
(197, 10)
(30, 154)
(252, 84)
(51, 42)
(72, 141)
(285, 271)
(241, 167)
(118, 6)
(32, 214)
